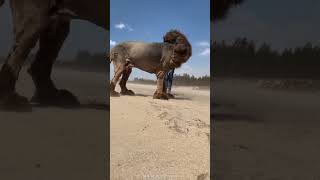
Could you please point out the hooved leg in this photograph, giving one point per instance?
(123, 82)
(26, 33)
(118, 70)
(9, 99)
(51, 41)
(159, 93)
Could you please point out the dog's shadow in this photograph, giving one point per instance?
(177, 97)
(142, 95)
(182, 98)
(88, 105)
(96, 106)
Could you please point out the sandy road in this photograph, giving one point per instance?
(265, 134)
(54, 143)
(150, 139)
(158, 139)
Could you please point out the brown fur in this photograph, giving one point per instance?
(46, 22)
(156, 58)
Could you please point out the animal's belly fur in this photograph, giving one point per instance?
(152, 65)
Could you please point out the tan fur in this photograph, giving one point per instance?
(156, 58)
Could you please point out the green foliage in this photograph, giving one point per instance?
(243, 58)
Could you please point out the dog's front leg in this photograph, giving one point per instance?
(159, 93)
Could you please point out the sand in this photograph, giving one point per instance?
(258, 133)
(263, 133)
(150, 139)
(55, 143)
(159, 139)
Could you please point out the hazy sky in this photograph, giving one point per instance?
(282, 23)
(149, 20)
(83, 36)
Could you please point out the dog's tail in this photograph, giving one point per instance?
(1, 2)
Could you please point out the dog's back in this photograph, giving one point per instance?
(142, 55)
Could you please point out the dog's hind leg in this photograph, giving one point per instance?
(123, 82)
(118, 71)
(28, 23)
(51, 41)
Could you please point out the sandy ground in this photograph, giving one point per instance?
(54, 143)
(264, 134)
(159, 139)
(258, 133)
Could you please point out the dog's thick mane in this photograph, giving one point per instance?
(172, 35)
(178, 47)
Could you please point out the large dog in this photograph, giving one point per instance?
(48, 22)
(156, 58)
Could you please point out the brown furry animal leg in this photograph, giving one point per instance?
(27, 26)
(123, 82)
(118, 70)
(51, 41)
(159, 93)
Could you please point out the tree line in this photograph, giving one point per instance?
(243, 58)
(83, 60)
(86, 61)
(181, 80)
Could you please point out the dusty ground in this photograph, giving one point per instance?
(54, 143)
(264, 134)
(158, 139)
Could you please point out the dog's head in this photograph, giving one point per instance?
(181, 46)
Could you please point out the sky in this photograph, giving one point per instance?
(83, 36)
(282, 23)
(149, 20)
